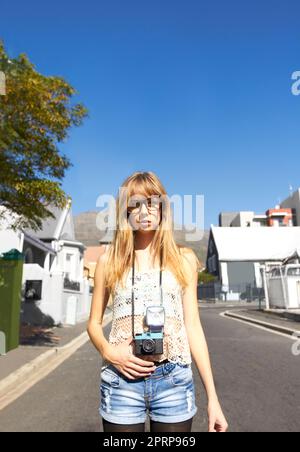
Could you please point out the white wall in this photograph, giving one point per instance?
(74, 266)
(293, 202)
(8, 238)
(52, 290)
(54, 297)
(83, 302)
(242, 218)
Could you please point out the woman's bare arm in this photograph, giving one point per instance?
(199, 348)
(197, 340)
(99, 304)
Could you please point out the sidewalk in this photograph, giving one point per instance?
(24, 367)
(226, 304)
(26, 353)
(283, 321)
(38, 344)
(266, 319)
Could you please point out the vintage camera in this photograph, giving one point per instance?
(151, 342)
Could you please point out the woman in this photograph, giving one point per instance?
(142, 268)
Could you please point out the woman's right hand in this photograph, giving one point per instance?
(127, 363)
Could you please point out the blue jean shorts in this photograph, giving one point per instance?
(168, 395)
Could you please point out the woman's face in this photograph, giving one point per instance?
(144, 212)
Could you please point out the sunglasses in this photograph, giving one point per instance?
(151, 203)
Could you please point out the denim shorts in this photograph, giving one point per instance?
(167, 394)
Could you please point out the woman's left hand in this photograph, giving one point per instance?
(216, 418)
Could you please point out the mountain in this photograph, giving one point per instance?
(87, 232)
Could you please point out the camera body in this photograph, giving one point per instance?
(148, 343)
(151, 342)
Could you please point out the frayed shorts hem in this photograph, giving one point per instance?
(121, 420)
(141, 420)
(178, 418)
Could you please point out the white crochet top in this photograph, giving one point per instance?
(147, 293)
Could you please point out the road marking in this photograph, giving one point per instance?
(16, 384)
(286, 335)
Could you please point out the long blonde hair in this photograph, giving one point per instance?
(121, 251)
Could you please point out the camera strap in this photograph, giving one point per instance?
(132, 288)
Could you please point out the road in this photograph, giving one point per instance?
(256, 374)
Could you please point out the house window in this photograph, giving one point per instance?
(29, 256)
(70, 265)
(33, 290)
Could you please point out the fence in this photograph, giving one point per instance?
(242, 292)
(283, 286)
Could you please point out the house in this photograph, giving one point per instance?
(55, 290)
(293, 203)
(275, 217)
(91, 256)
(235, 255)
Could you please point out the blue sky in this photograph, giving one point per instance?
(197, 91)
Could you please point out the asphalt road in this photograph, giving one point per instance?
(256, 374)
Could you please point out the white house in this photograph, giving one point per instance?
(235, 254)
(55, 290)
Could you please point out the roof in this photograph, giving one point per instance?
(38, 243)
(60, 227)
(73, 243)
(256, 243)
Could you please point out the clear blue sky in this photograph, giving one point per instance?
(197, 91)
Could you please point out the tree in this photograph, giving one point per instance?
(205, 277)
(35, 116)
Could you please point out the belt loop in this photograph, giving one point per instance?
(168, 367)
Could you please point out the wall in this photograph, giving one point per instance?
(52, 309)
(293, 202)
(242, 219)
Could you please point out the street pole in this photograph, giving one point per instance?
(266, 287)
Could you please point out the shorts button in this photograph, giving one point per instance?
(169, 366)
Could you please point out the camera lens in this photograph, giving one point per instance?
(148, 345)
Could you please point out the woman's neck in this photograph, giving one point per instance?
(143, 254)
(142, 241)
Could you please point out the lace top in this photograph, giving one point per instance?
(147, 293)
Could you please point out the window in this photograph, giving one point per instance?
(275, 272)
(293, 271)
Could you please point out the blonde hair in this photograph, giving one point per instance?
(120, 253)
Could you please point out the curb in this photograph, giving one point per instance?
(270, 326)
(18, 382)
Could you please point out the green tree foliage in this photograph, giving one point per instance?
(35, 116)
(206, 277)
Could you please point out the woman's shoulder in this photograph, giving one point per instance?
(103, 255)
(102, 259)
(190, 257)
